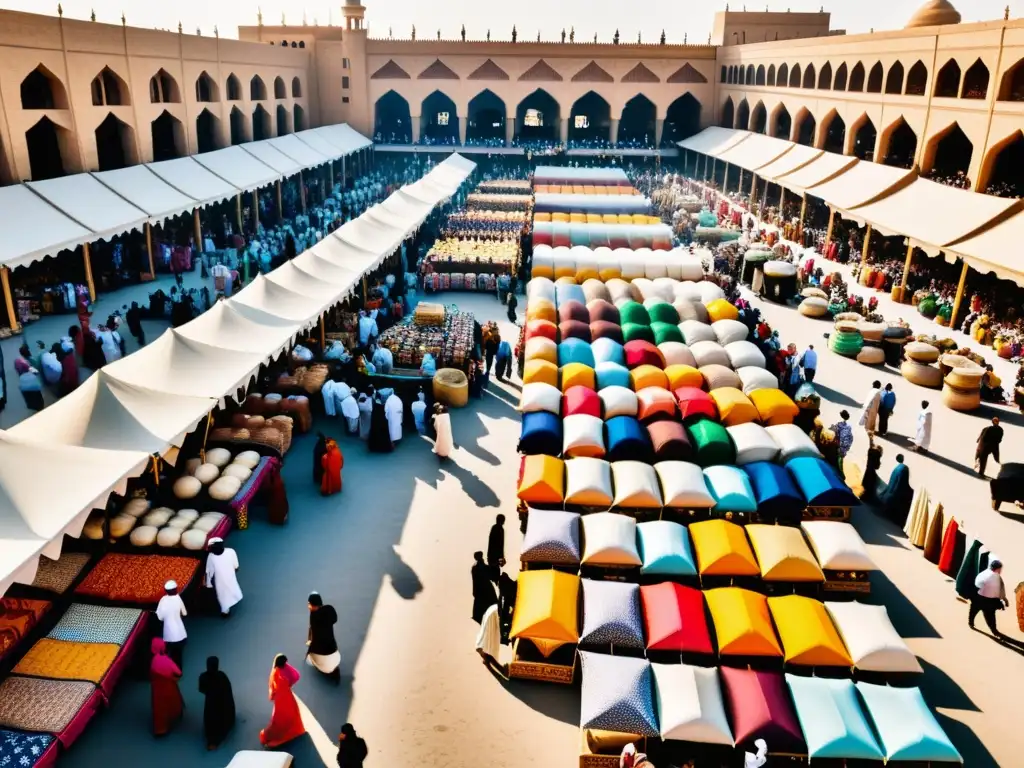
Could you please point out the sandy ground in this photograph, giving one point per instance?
(393, 553)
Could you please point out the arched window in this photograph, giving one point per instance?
(296, 88)
(750, 75)
(302, 43)
(947, 157)
(743, 116)
(298, 118)
(771, 75)
(728, 116)
(115, 144)
(825, 77)
(283, 120)
(234, 88)
(257, 89)
(947, 83)
(206, 89)
(1000, 173)
(894, 80)
(794, 76)
(857, 78)
(864, 137)
(109, 90)
(239, 127)
(207, 132)
(163, 89)
(261, 124)
(1012, 87)
(759, 76)
(280, 92)
(899, 145)
(759, 118)
(835, 134)
(809, 76)
(45, 141)
(682, 120)
(783, 123)
(839, 84)
(724, 77)
(783, 79)
(875, 78)
(975, 81)
(41, 89)
(917, 79)
(168, 138)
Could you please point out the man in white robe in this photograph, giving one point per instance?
(171, 610)
(394, 410)
(221, 567)
(923, 435)
(419, 412)
(350, 412)
(869, 412)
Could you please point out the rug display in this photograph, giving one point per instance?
(58, 575)
(61, 660)
(23, 750)
(137, 579)
(47, 706)
(96, 624)
(17, 618)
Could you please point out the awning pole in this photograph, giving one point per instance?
(906, 269)
(323, 334)
(959, 295)
(831, 224)
(330, 176)
(753, 188)
(864, 250)
(88, 272)
(12, 316)
(782, 199)
(366, 294)
(803, 214)
(198, 228)
(725, 180)
(280, 210)
(238, 214)
(206, 436)
(149, 248)
(302, 192)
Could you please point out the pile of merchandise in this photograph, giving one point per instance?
(450, 342)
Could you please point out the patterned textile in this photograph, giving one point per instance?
(58, 575)
(31, 704)
(136, 579)
(611, 614)
(617, 694)
(59, 660)
(22, 750)
(552, 537)
(17, 618)
(96, 624)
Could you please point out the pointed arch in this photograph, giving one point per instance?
(947, 82)
(856, 78)
(109, 90)
(298, 118)
(284, 119)
(875, 77)
(682, 120)
(234, 88)
(207, 131)
(780, 123)
(590, 118)
(439, 121)
(638, 122)
(47, 145)
(390, 71)
(486, 115)
(759, 118)
(391, 121)
(743, 116)
(842, 78)
(163, 89)
(686, 74)
(541, 72)
(728, 115)
(488, 71)
(1012, 86)
(794, 76)
(239, 126)
(894, 79)
(206, 89)
(759, 76)
(863, 138)
(115, 144)
(41, 89)
(592, 73)
(257, 89)
(748, 78)
(825, 77)
(438, 70)
(898, 144)
(1000, 171)
(975, 81)
(833, 133)
(280, 92)
(538, 117)
(261, 125)
(917, 79)
(804, 128)
(168, 137)
(771, 76)
(640, 74)
(296, 88)
(948, 154)
(724, 75)
(782, 80)
(809, 77)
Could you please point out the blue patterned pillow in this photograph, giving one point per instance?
(617, 694)
(611, 614)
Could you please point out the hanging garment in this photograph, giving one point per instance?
(916, 526)
(953, 544)
(969, 571)
(933, 539)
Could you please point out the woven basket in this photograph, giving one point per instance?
(451, 387)
(813, 307)
(871, 356)
(965, 379)
(846, 343)
(920, 352)
(811, 292)
(961, 400)
(285, 425)
(921, 374)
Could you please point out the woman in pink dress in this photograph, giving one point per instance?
(285, 721)
(164, 675)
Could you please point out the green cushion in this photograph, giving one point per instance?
(665, 332)
(634, 331)
(663, 313)
(711, 443)
(634, 312)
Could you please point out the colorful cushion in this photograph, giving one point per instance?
(717, 376)
(665, 332)
(683, 376)
(691, 309)
(612, 375)
(577, 400)
(574, 329)
(643, 353)
(627, 440)
(683, 485)
(634, 312)
(596, 290)
(540, 397)
(577, 374)
(583, 436)
(711, 443)
(752, 443)
(633, 331)
(721, 309)
(744, 354)
(603, 310)
(618, 401)
(694, 331)
(575, 351)
(602, 329)
(728, 331)
(63, 660)
(588, 482)
(662, 312)
(541, 480)
(83, 623)
(710, 353)
(573, 310)
(752, 379)
(677, 353)
(43, 706)
(733, 406)
(607, 350)
(541, 309)
(669, 441)
(694, 402)
(647, 376)
(541, 348)
(774, 406)
(542, 329)
(636, 485)
(655, 403)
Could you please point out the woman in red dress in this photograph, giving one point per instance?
(332, 462)
(163, 676)
(285, 720)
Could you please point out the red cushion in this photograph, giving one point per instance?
(640, 352)
(543, 328)
(695, 402)
(581, 400)
(670, 441)
(603, 329)
(573, 310)
(655, 403)
(574, 329)
(674, 618)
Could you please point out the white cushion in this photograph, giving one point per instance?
(687, 290)
(158, 517)
(710, 353)
(181, 523)
(188, 514)
(609, 539)
(756, 378)
(618, 401)
(677, 353)
(583, 435)
(121, 525)
(744, 354)
(779, 269)
(540, 288)
(646, 288)
(683, 485)
(247, 459)
(168, 537)
(225, 488)
(695, 331)
(792, 441)
(588, 481)
(636, 485)
(753, 443)
(689, 267)
(207, 473)
(193, 539)
(665, 287)
(709, 292)
(136, 507)
(237, 470)
(728, 331)
(219, 457)
(187, 487)
(192, 465)
(632, 268)
(539, 396)
(204, 524)
(143, 536)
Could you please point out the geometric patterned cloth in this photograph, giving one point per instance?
(22, 750)
(95, 624)
(58, 575)
(617, 694)
(552, 536)
(611, 614)
(45, 706)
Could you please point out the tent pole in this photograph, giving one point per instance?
(156, 471)
(753, 189)
(366, 294)
(803, 214)
(725, 180)
(280, 210)
(302, 192)
(330, 175)
(149, 249)
(198, 229)
(88, 272)
(831, 224)
(238, 214)
(5, 278)
(206, 436)
(959, 294)
(864, 250)
(323, 333)
(906, 269)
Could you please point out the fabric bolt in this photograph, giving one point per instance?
(969, 570)
(933, 539)
(84, 623)
(47, 706)
(23, 750)
(61, 660)
(954, 542)
(58, 575)
(916, 526)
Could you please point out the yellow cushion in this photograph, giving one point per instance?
(774, 406)
(733, 406)
(542, 309)
(542, 480)
(541, 348)
(542, 371)
(644, 376)
(683, 376)
(720, 309)
(578, 374)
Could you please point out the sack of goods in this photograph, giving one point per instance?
(429, 314)
(921, 374)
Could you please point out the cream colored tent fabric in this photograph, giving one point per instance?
(267, 296)
(110, 414)
(237, 167)
(932, 215)
(35, 514)
(230, 325)
(714, 140)
(755, 152)
(91, 204)
(177, 365)
(997, 249)
(297, 150)
(346, 139)
(147, 192)
(797, 157)
(861, 184)
(342, 278)
(271, 157)
(320, 144)
(371, 234)
(826, 166)
(321, 293)
(192, 179)
(33, 229)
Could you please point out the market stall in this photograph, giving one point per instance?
(544, 626)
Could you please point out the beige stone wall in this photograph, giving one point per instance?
(742, 27)
(989, 122)
(75, 52)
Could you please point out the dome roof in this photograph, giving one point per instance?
(934, 13)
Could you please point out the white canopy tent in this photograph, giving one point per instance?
(146, 191)
(861, 184)
(714, 140)
(192, 179)
(869, 636)
(798, 157)
(113, 415)
(343, 255)
(273, 299)
(320, 293)
(34, 229)
(319, 144)
(371, 234)
(756, 151)
(825, 167)
(996, 249)
(343, 137)
(303, 154)
(271, 157)
(234, 326)
(34, 517)
(238, 167)
(94, 206)
(690, 704)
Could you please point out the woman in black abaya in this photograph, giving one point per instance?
(380, 433)
(219, 711)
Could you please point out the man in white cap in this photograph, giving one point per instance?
(171, 610)
(221, 565)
